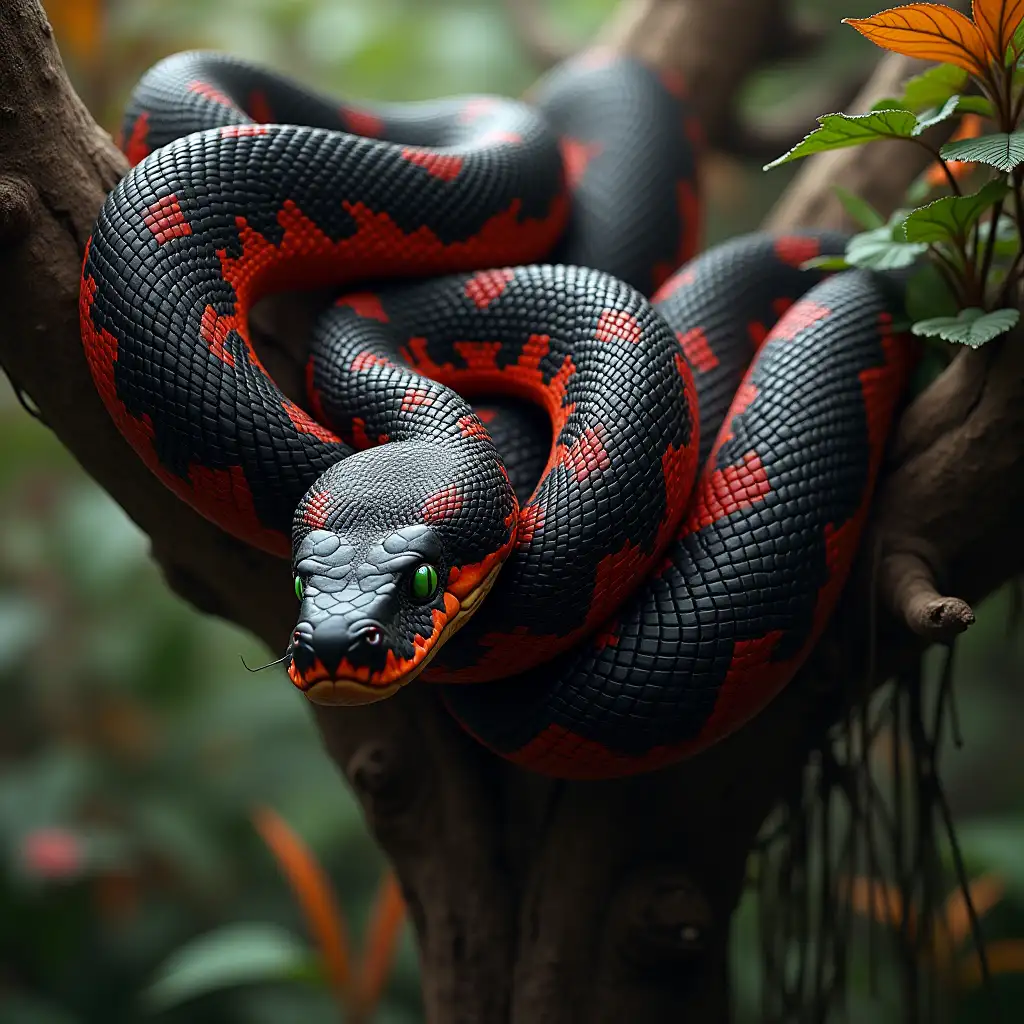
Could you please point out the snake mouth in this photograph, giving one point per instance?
(348, 689)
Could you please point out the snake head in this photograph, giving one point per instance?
(390, 559)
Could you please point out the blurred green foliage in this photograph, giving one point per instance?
(133, 745)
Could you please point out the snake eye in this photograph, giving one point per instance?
(424, 582)
(299, 589)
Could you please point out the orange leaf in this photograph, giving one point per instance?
(880, 902)
(313, 890)
(927, 31)
(985, 892)
(997, 20)
(1004, 957)
(386, 920)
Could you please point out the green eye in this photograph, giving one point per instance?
(298, 588)
(424, 582)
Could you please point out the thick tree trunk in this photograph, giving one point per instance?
(534, 901)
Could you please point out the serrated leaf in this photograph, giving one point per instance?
(879, 250)
(829, 263)
(859, 210)
(952, 216)
(928, 31)
(973, 327)
(933, 87)
(999, 150)
(840, 131)
(237, 954)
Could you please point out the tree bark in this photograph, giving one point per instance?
(534, 901)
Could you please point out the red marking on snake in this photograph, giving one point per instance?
(305, 425)
(476, 107)
(531, 519)
(306, 258)
(799, 318)
(234, 131)
(470, 425)
(521, 379)
(361, 439)
(364, 304)
(415, 398)
(314, 515)
(487, 415)
(753, 678)
(796, 251)
(487, 285)
(445, 166)
(693, 129)
(479, 356)
(165, 219)
(673, 283)
(368, 360)
(204, 488)
(576, 155)
(606, 638)
(758, 332)
(439, 506)
(673, 82)
(136, 148)
(214, 330)
(259, 108)
(362, 122)
(207, 91)
(697, 350)
(499, 137)
(782, 305)
(723, 492)
(586, 455)
(505, 653)
(690, 218)
(617, 325)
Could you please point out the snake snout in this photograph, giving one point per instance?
(335, 641)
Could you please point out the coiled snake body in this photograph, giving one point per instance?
(404, 523)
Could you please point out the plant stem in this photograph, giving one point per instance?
(953, 183)
(990, 247)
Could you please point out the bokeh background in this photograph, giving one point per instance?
(137, 755)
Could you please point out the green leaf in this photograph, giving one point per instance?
(952, 216)
(825, 263)
(999, 150)
(879, 250)
(839, 131)
(971, 327)
(236, 954)
(933, 87)
(976, 105)
(933, 117)
(860, 210)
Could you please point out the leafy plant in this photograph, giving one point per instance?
(253, 953)
(975, 239)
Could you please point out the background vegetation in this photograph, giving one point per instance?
(134, 748)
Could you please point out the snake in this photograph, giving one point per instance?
(601, 581)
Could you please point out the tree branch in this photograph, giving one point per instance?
(533, 901)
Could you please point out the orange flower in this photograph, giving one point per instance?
(937, 32)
